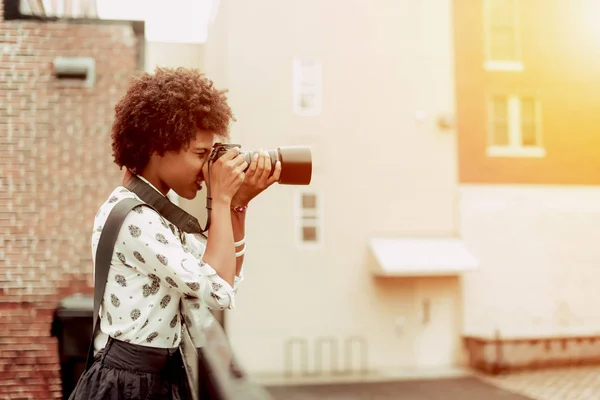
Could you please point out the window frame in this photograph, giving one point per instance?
(515, 147)
(307, 79)
(315, 220)
(490, 64)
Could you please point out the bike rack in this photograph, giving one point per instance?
(348, 346)
(333, 354)
(351, 345)
(288, 356)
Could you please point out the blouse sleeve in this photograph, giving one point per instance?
(197, 247)
(158, 251)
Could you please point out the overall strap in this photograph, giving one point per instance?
(104, 253)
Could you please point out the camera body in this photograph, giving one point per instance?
(296, 161)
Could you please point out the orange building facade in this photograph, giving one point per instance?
(528, 91)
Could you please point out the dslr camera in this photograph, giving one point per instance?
(296, 161)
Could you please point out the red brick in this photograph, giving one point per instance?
(44, 242)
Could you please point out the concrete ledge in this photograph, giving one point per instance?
(382, 375)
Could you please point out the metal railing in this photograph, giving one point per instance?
(211, 367)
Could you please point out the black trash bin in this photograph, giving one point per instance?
(72, 325)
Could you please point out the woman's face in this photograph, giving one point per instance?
(182, 172)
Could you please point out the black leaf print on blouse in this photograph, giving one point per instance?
(195, 286)
(196, 305)
(173, 229)
(127, 340)
(183, 239)
(174, 321)
(117, 334)
(161, 238)
(113, 199)
(151, 337)
(170, 281)
(138, 210)
(164, 223)
(139, 257)
(216, 286)
(120, 279)
(153, 287)
(135, 314)
(163, 260)
(145, 324)
(187, 320)
(183, 265)
(109, 318)
(121, 257)
(175, 339)
(215, 296)
(115, 300)
(135, 231)
(165, 300)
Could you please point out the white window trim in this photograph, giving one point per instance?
(300, 222)
(515, 148)
(509, 66)
(502, 151)
(490, 64)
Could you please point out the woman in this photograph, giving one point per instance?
(163, 133)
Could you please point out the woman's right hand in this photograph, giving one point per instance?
(227, 175)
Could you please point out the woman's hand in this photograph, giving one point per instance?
(257, 178)
(226, 175)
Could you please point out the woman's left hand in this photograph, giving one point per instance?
(257, 178)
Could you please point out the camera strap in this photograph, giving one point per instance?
(208, 198)
(104, 253)
(165, 207)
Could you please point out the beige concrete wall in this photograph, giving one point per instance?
(189, 55)
(381, 171)
(538, 246)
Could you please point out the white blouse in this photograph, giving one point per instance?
(154, 265)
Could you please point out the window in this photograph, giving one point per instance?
(502, 35)
(59, 8)
(309, 220)
(515, 127)
(307, 81)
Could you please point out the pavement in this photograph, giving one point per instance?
(575, 383)
(463, 388)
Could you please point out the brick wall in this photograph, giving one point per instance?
(55, 170)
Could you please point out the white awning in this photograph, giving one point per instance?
(421, 256)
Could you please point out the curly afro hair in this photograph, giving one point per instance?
(163, 112)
